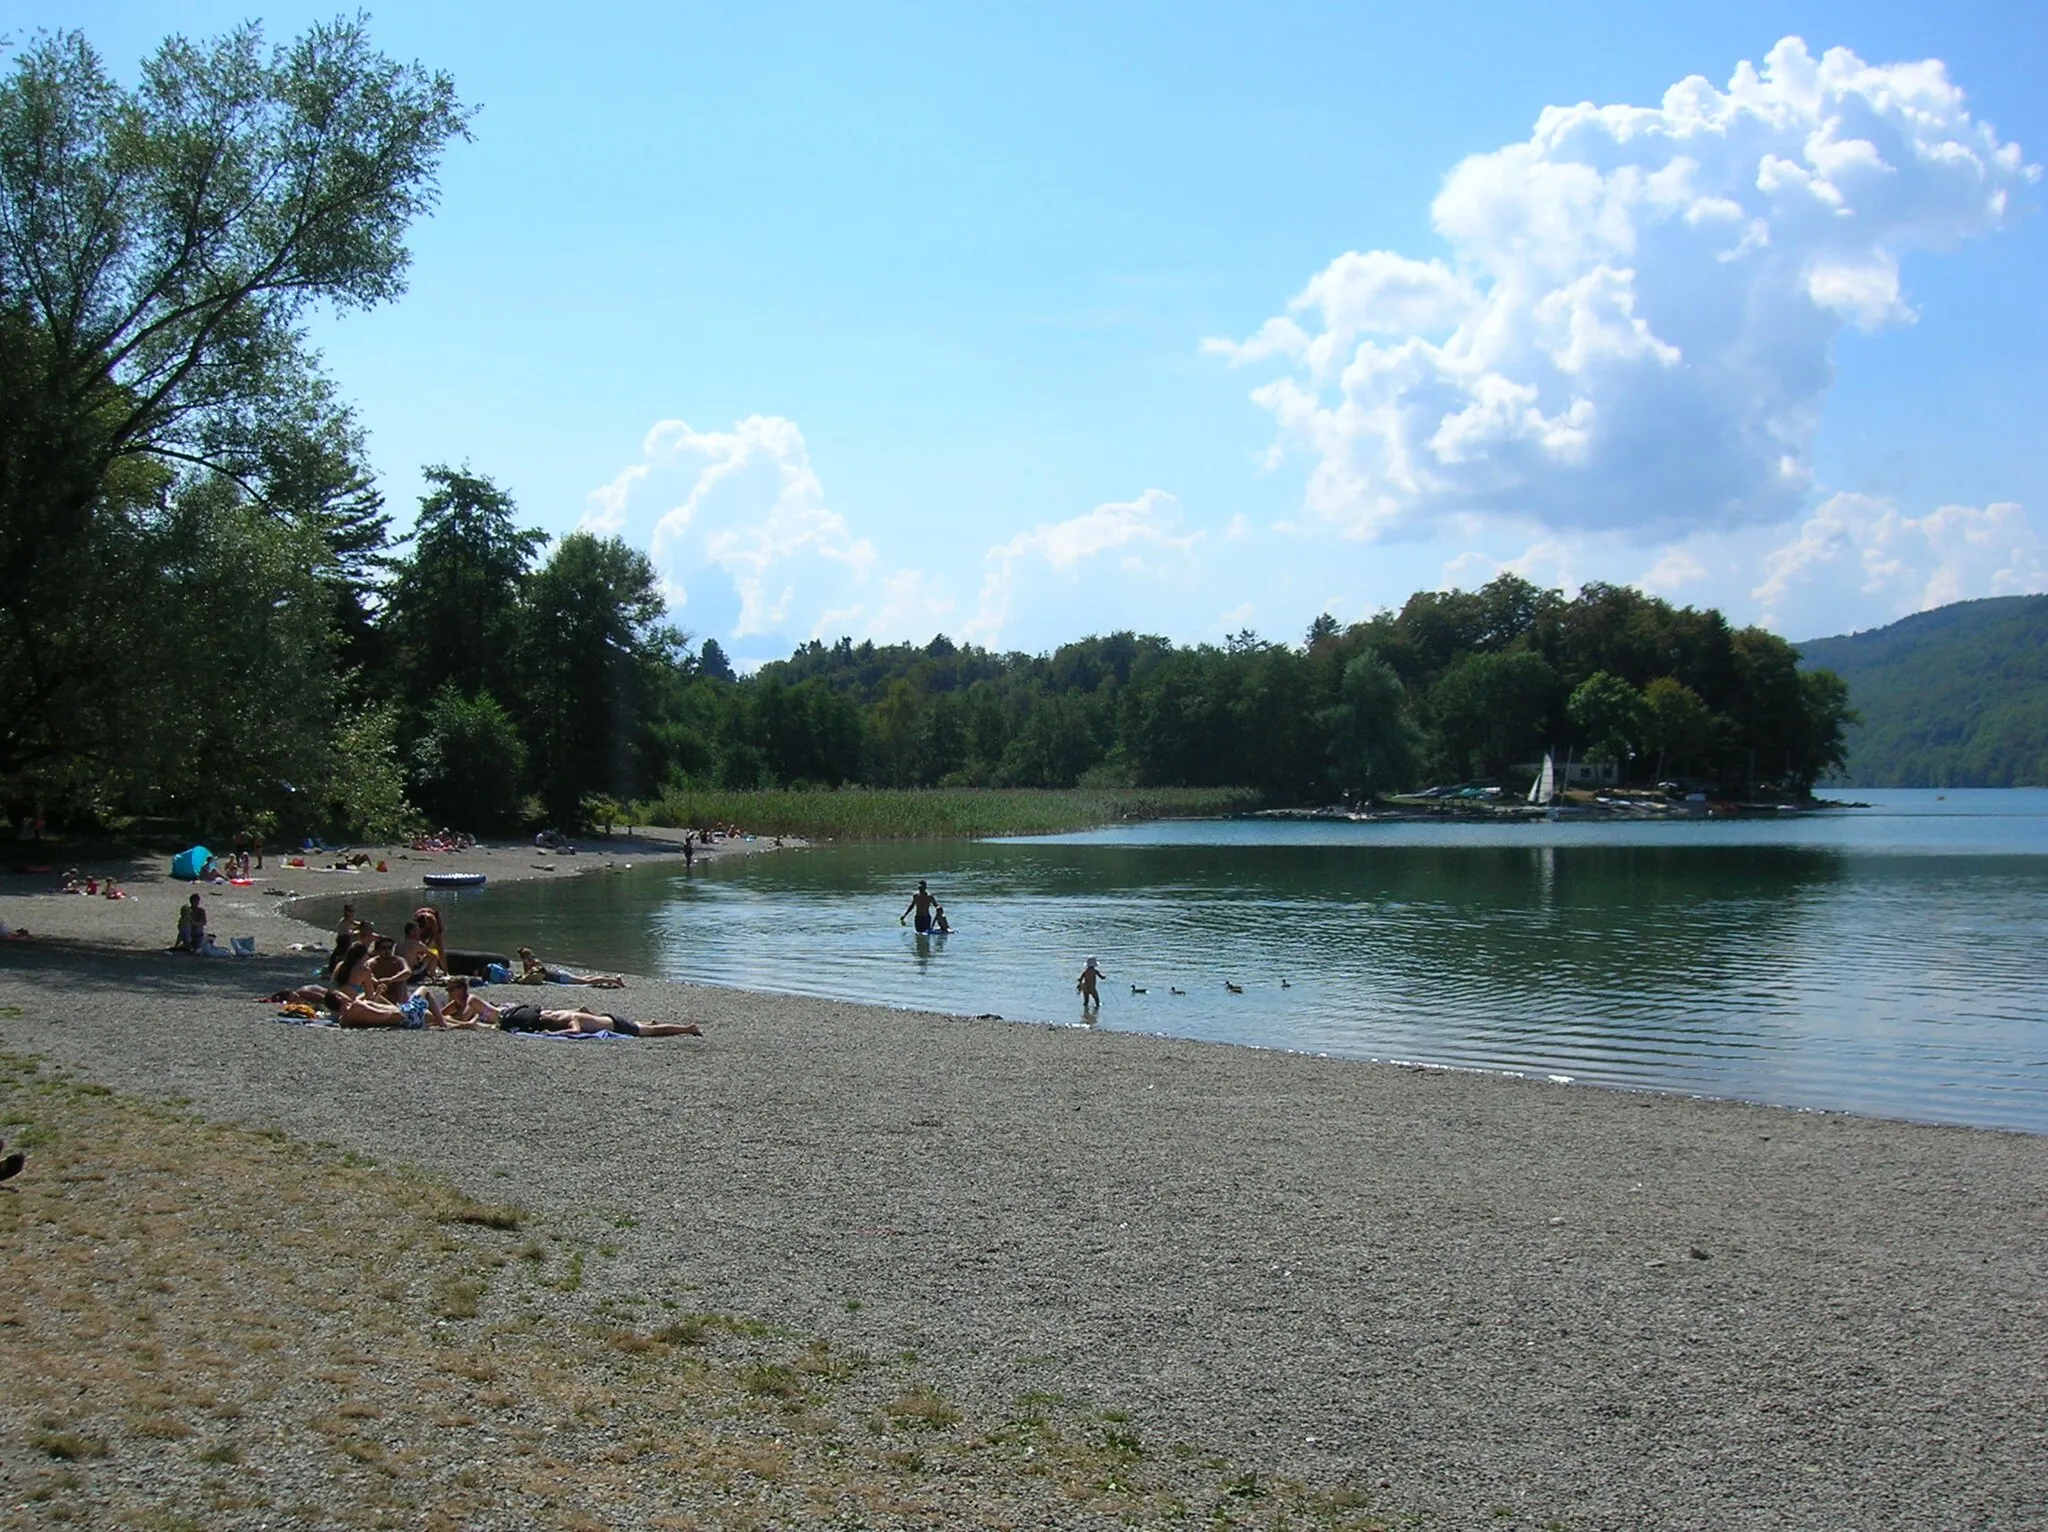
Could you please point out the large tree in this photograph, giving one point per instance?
(451, 614)
(160, 247)
(593, 633)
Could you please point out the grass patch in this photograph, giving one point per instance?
(940, 813)
(103, 1367)
(480, 1215)
(456, 1298)
(923, 1406)
(772, 1380)
(69, 1446)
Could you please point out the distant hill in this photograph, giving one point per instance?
(1955, 697)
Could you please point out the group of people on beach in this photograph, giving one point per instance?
(91, 885)
(373, 979)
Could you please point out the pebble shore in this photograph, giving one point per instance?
(1467, 1293)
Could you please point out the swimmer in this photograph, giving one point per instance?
(922, 903)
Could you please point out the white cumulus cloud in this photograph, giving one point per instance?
(1136, 539)
(1633, 330)
(1857, 562)
(738, 520)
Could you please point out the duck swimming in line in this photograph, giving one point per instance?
(1137, 989)
(1235, 989)
(1175, 989)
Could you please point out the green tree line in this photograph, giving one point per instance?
(206, 615)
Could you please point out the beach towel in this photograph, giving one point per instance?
(574, 1037)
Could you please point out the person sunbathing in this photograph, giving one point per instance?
(534, 971)
(413, 1013)
(314, 995)
(559, 1023)
(462, 1010)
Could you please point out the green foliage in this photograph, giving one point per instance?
(164, 244)
(1955, 697)
(1610, 716)
(1492, 709)
(931, 814)
(1374, 742)
(361, 793)
(451, 615)
(591, 620)
(1677, 725)
(469, 763)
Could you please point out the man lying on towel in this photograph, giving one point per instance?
(532, 1018)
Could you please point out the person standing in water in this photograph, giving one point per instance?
(1085, 986)
(921, 904)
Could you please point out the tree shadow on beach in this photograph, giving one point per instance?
(92, 968)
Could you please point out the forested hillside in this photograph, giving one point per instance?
(1955, 697)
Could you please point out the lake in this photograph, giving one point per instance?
(1884, 960)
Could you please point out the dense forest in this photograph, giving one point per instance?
(206, 617)
(1955, 697)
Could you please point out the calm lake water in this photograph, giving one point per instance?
(1883, 960)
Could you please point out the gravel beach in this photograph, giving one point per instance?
(1470, 1294)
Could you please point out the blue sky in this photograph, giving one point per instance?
(1026, 322)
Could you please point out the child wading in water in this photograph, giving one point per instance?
(1091, 997)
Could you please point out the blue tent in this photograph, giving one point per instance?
(190, 864)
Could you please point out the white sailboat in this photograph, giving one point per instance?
(1543, 790)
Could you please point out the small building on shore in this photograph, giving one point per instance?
(1576, 773)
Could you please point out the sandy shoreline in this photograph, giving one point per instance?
(1467, 1292)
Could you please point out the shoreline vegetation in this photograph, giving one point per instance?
(868, 813)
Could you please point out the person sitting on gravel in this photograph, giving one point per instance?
(191, 926)
(351, 971)
(464, 1010)
(533, 971)
(418, 956)
(387, 969)
(532, 1018)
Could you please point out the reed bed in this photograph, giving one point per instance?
(860, 813)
